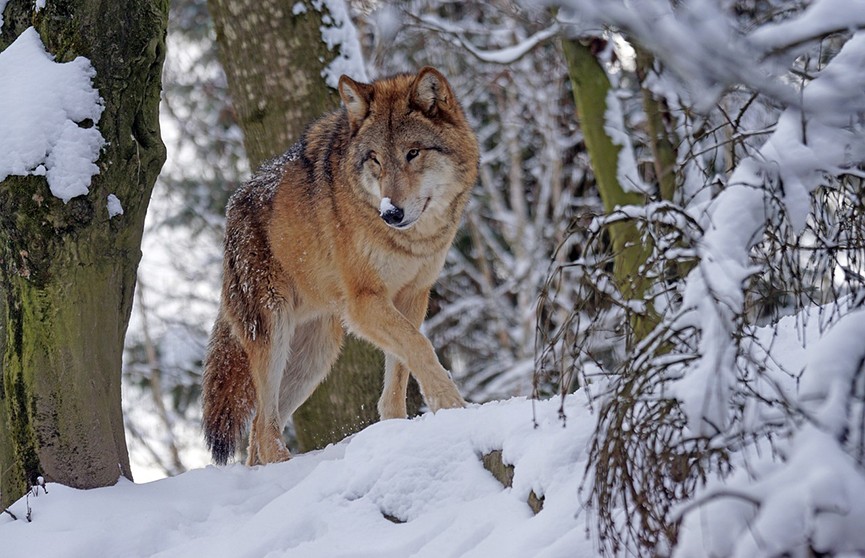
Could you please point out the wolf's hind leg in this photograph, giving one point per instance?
(314, 349)
(268, 359)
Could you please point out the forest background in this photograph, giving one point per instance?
(669, 193)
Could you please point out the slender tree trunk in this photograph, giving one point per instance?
(174, 465)
(591, 85)
(661, 141)
(67, 271)
(274, 58)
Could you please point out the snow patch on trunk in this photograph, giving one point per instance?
(49, 117)
(340, 36)
(114, 206)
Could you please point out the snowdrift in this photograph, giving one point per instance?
(399, 488)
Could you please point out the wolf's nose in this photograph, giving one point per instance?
(393, 215)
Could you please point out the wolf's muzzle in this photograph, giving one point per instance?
(393, 216)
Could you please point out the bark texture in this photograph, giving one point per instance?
(67, 271)
(661, 140)
(273, 59)
(590, 86)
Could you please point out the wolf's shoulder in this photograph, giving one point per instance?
(257, 193)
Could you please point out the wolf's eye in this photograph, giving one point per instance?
(371, 156)
(412, 153)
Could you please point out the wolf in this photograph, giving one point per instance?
(348, 229)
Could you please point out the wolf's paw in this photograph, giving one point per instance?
(276, 455)
(272, 451)
(282, 454)
(446, 399)
(391, 408)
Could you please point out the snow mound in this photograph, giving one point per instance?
(399, 488)
(45, 105)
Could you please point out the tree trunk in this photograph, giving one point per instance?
(67, 271)
(591, 85)
(661, 141)
(274, 59)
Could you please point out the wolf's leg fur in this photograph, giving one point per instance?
(314, 349)
(268, 358)
(392, 404)
(374, 317)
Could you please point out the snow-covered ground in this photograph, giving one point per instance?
(425, 475)
(418, 487)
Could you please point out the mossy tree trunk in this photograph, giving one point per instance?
(590, 85)
(273, 59)
(661, 141)
(67, 271)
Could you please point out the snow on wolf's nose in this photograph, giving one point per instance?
(385, 206)
(391, 214)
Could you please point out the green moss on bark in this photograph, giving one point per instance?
(67, 271)
(591, 86)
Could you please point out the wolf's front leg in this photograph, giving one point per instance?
(440, 392)
(375, 318)
(437, 387)
(411, 303)
(392, 403)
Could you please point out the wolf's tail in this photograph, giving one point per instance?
(228, 393)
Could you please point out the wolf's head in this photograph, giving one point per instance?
(411, 152)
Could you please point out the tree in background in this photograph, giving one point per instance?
(68, 268)
(177, 291)
(752, 223)
(591, 86)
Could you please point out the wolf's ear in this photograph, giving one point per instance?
(431, 92)
(356, 97)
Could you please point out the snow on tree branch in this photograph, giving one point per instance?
(807, 143)
(821, 18)
(695, 39)
(811, 501)
(506, 55)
